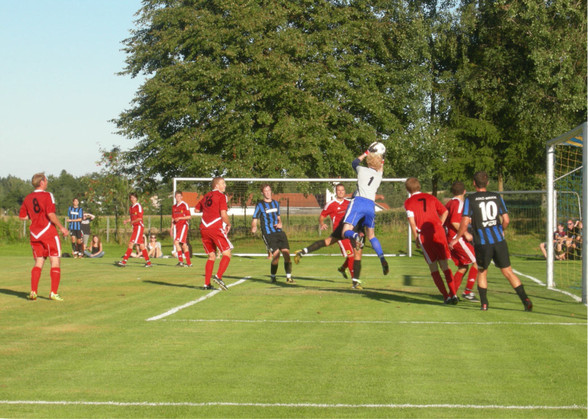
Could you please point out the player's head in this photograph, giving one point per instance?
(179, 196)
(340, 191)
(481, 179)
(75, 202)
(375, 161)
(133, 197)
(219, 183)
(266, 191)
(412, 185)
(37, 179)
(458, 188)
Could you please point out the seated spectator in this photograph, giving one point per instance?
(154, 247)
(559, 243)
(137, 253)
(574, 240)
(95, 248)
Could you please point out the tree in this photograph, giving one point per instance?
(282, 88)
(521, 81)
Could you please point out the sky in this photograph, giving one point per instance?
(59, 86)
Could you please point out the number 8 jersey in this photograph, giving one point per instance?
(485, 209)
(37, 205)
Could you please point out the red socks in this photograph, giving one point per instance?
(127, 255)
(350, 261)
(439, 283)
(208, 271)
(223, 265)
(187, 256)
(55, 278)
(35, 277)
(449, 279)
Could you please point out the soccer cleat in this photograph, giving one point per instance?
(121, 264)
(188, 265)
(341, 270)
(208, 287)
(32, 296)
(273, 279)
(385, 267)
(484, 307)
(528, 305)
(220, 282)
(468, 296)
(297, 256)
(447, 300)
(454, 300)
(356, 285)
(180, 264)
(55, 297)
(289, 280)
(358, 239)
(148, 265)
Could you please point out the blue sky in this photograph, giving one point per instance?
(58, 83)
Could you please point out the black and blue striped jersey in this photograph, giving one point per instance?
(484, 209)
(267, 213)
(75, 214)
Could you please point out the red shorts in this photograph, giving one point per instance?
(434, 247)
(137, 236)
(180, 233)
(463, 253)
(48, 245)
(346, 248)
(215, 238)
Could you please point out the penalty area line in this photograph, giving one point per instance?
(293, 405)
(360, 322)
(191, 303)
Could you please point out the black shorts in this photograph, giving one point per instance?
(337, 233)
(76, 233)
(276, 241)
(497, 252)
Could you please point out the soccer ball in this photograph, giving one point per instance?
(377, 148)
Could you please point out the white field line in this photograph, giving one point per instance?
(380, 322)
(569, 294)
(191, 303)
(293, 405)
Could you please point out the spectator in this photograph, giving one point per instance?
(154, 247)
(95, 248)
(559, 243)
(86, 231)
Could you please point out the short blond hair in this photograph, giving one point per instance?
(375, 161)
(37, 179)
(412, 185)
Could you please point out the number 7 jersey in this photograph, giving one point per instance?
(485, 209)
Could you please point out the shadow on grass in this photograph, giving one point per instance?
(18, 294)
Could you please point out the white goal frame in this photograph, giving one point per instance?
(300, 180)
(580, 130)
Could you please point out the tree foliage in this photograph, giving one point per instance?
(283, 88)
(520, 80)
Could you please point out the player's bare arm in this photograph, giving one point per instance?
(463, 227)
(414, 230)
(53, 218)
(322, 224)
(279, 223)
(226, 220)
(254, 225)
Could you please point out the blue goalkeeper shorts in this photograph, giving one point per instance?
(361, 208)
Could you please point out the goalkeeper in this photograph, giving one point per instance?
(363, 205)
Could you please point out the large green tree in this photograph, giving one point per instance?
(521, 80)
(272, 88)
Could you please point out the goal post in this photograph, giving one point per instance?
(566, 200)
(301, 201)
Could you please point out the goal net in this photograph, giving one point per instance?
(301, 201)
(566, 204)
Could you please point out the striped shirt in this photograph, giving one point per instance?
(74, 213)
(267, 213)
(485, 208)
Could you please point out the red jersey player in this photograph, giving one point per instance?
(180, 225)
(214, 227)
(426, 215)
(462, 252)
(39, 207)
(334, 209)
(137, 237)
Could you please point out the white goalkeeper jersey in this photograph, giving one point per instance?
(368, 182)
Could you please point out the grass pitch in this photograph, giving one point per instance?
(312, 349)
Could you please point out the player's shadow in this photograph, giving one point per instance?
(390, 296)
(171, 284)
(13, 293)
